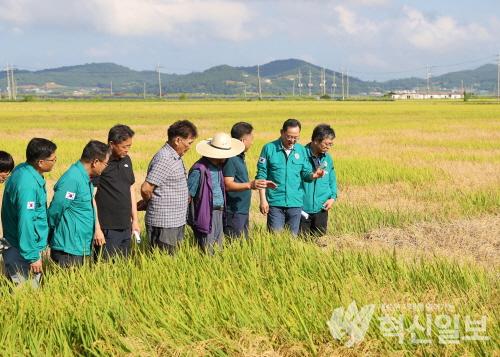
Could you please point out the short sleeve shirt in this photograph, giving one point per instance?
(237, 202)
(113, 199)
(167, 207)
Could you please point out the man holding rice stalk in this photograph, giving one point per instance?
(24, 213)
(115, 197)
(284, 162)
(320, 194)
(71, 213)
(238, 186)
(207, 189)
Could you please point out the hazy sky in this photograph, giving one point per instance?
(373, 39)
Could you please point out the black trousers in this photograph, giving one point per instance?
(66, 260)
(117, 243)
(315, 225)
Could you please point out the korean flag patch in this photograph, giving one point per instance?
(30, 205)
(262, 160)
(70, 195)
(297, 156)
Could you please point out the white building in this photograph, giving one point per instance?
(410, 95)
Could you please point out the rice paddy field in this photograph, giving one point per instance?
(415, 234)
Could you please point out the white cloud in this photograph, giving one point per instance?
(223, 19)
(370, 2)
(440, 33)
(351, 23)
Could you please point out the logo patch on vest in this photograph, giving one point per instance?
(126, 165)
(297, 156)
(30, 205)
(262, 160)
(70, 195)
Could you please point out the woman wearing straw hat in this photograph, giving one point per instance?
(207, 190)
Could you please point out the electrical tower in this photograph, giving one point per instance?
(334, 85)
(498, 78)
(310, 85)
(159, 78)
(300, 85)
(258, 79)
(429, 75)
(322, 83)
(343, 91)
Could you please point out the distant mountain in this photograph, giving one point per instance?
(277, 78)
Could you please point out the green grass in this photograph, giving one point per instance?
(398, 164)
(275, 288)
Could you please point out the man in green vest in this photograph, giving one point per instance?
(284, 162)
(71, 212)
(322, 193)
(24, 213)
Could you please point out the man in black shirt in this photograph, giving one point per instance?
(115, 197)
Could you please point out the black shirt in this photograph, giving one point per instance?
(114, 203)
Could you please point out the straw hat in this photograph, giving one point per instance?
(221, 146)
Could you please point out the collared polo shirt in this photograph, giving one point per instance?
(24, 212)
(113, 199)
(167, 208)
(71, 212)
(287, 171)
(237, 202)
(316, 193)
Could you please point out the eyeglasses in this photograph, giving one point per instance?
(289, 137)
(51, 160)
(328, 145)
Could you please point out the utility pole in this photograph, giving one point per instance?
(334, 85)
(293, 87)
(323, 82)
(310, 85)
(9, 89)
(144, 90)
(13, 83)
(300, 84)
(347, 79)
(111, 89)
(429, 74)
(258, 79)
(343, 92)
(159, 78)
(498, 78)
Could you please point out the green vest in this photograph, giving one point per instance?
(287, 172)
(24, 212)
(322, 189)
(71, 212)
